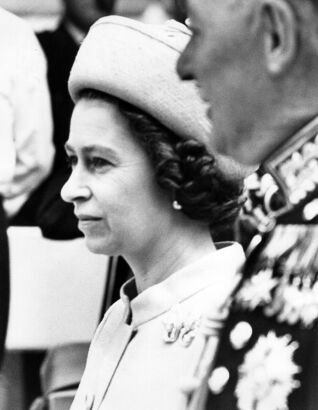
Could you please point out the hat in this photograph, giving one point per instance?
(136, 62)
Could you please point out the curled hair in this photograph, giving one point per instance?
(184, 168)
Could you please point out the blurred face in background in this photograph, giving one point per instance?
(83, 13)
(224, 56)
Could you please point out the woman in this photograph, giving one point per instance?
(144, 186)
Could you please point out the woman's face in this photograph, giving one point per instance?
(120, 208)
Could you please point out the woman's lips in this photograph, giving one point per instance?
(87, 221)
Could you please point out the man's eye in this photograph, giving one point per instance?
(191, 27)
(188, 23)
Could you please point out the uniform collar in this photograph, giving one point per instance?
(286, 182)
(220, 266)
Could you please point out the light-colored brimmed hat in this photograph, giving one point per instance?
(136, 62)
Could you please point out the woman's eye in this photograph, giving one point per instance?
(71, 161)
(97, 163)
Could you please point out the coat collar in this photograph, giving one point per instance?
(220, 266)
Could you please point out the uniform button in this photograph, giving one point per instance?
(310, 210)
(240, 335)
(218, 379)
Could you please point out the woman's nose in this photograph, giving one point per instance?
(74, 189)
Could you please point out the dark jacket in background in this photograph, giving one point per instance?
(45, 208)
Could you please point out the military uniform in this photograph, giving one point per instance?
(268, 352)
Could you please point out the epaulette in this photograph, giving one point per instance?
(281, 274)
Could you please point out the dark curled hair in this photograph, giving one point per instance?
(184, 168)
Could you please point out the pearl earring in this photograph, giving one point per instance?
(176, 205)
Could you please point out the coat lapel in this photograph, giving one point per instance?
(108, 367)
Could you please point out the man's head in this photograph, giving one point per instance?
(255, 62)
(83, 13)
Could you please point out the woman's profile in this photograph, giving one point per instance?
(145, 186)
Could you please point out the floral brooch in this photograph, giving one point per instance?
(266, 377)
(180, 325)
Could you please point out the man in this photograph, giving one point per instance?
(45, 208)
(26, 149)
(256, 63)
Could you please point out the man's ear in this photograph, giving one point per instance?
(280, 35)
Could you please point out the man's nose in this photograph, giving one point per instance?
(184, 66)
(75, 189)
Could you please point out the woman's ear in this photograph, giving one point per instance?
(280, 35)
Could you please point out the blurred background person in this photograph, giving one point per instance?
(25, 115)
(26, 149)
(274, 123)
(26, 125)
(45, 208)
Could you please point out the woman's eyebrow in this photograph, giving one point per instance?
(89, 149)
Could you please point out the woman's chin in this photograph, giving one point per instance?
(94, 246)
(99, 246)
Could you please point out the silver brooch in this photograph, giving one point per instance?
(172, 324)
(180, 325)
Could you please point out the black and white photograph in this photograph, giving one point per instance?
(159, 205)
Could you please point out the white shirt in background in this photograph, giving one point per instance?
(26, 146)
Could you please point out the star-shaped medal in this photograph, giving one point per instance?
(257, 290)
